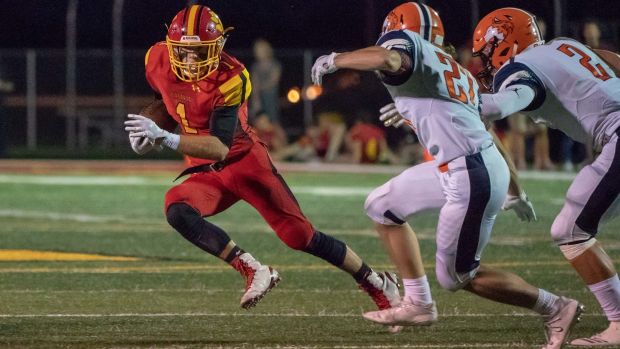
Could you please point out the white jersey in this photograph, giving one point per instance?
(576, 91)
(437, 96)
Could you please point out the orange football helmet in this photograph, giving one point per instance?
(418, 18)
(501, 35)
(196, 37)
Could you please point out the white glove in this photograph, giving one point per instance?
(140, 145)
(322, 66)
(521, 205)
(140, 126)
(390, 116)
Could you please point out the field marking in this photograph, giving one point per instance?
(58, 216)
(220, 268)
(250, 315)
(32, 255)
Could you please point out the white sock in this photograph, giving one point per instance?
(545, 304)
(607, 292)
(418, 290)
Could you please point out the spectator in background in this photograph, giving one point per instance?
(367, 142)
(266, 72)
(270, 133)
(320, 142)
(591, 35)
(6, 86)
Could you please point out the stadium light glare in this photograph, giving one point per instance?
(293, 95)
(312, 92)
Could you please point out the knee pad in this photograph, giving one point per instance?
(564, 230)
(448, 277)
(179, 215)
(327, 248)
(574, 250)
(377, 207)
(188, 222)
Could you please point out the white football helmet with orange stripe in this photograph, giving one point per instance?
(418, 18)
(195, 40)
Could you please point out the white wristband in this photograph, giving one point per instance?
(172, 140)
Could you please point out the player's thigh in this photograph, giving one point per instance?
(205, 192)
(591, 197)
(415, 190)
(475, 189)
(260, 184)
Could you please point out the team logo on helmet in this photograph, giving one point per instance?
(499, 29)
(390, 22)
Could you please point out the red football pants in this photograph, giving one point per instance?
(254, 180)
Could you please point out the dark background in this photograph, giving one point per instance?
(286, 23)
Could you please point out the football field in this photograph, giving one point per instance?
(88, 261)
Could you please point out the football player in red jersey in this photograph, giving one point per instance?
(205, 91)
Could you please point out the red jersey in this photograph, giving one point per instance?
(370, 137)
(191, 104)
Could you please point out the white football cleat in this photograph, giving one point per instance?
(609, 337)
(259, 279)
(558, 325)
(405, 314)
(382, 288)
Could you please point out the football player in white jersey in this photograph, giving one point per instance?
(467, 181)
(571, 87)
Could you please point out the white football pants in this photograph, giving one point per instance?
(469, 195)
(591, 198)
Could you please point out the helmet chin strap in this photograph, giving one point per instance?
(515, 47)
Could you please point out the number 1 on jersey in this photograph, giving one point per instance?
(184, 123)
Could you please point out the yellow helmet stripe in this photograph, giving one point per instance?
(191, 21)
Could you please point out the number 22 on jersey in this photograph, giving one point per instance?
(597, 71)
(453, 78)
(184, 123)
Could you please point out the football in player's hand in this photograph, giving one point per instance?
(159, 114)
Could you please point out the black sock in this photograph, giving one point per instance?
(236, 251)
(361, 275)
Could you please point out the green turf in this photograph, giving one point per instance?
(178, 297)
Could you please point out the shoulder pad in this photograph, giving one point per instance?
(236, 89)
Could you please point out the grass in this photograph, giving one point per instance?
(176, 296)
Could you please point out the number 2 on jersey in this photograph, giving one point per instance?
(452, 77)
(597, 71)
(184, 123)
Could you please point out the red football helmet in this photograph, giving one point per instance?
(418, 18)
(195, 40)
(501, 35)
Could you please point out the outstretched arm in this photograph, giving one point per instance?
(506, 102)
(373, 58)
(514, 187)
(516, 199)
(611, 58)
(369, 59)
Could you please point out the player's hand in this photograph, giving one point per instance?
(140, 126)
(140, 145)
(522, 207)
(390, 116)
(322, 66)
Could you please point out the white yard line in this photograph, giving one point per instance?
(58, 216)
(258, 315)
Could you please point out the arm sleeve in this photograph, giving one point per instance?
(224, 123)
(400, 42)
(233, 93)
(516, 73)
(506, 102)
